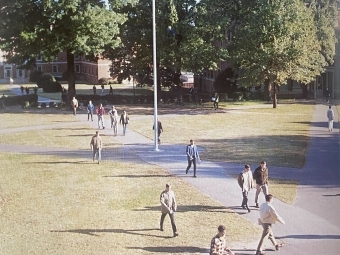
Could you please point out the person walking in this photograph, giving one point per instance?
(103, 89)
(114, 119)
(159, 130)
(100, 111)
(96, 146)
(261, 178)
(111, 90)
(74, 104)
(124, 120)
(94, 89)
(218, 243)
(330, 116)
(245, 180)
(90, 110)
(216, 99)
(268, 216)
(192, 155)
(168, 206)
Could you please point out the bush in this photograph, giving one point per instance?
(238, 96)
(247, 95)
(51, 87)
(35, 75)
(25, 104)
(43, 105)
(103, 81)
(45, 79)
(34, 104)
(52, 105)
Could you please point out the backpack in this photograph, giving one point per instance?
(240, 180)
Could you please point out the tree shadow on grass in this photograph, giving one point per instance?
(60, 162)
(172, 249)
(139, 176)
(94, 232)
(190, 208)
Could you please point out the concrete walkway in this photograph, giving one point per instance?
(312, 223)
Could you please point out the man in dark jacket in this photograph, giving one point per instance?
(261, 177)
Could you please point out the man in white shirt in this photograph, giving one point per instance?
(268, 216)
(330, 116)
(245, 180)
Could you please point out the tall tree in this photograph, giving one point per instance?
(46, 27)
(186, 38)
(277, 40)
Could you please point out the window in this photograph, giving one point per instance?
(76, 56)
(8, 71)
(39, 58)
(54, 69)
(39, 68)
(77, 68)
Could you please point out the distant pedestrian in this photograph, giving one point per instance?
(96, 146)
(261, 178)
(192, 155)
(22, 90)
(111, 90)
(124, 120)
(114, 120)
(328, 95)
(159, 130)
(10, 80)
(168, 206)
(35, 90)
(330, 116)
(27, 90)
(245, 180)
(94, 89)
(74, 104)
(90, 110)
(268, 216)
(216, 100)
(100, 111)
(218, 243)
(103, 89)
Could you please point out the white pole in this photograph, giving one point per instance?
(154, 72)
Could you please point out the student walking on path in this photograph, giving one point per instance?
(268, 216)
(218, 243)
(168, 206)
(245, 180)
(261, 178)
(330, 116)
(90, 110)
(100, 113)
(159, 130)
(124, 120)
(96, 146)
(114, 119)
(74, 104)
(192, 155)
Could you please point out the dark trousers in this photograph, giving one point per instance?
(172, 218)
(191, 161)
(245, 199)
(88, 116)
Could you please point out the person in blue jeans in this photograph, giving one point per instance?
(90, 110)
(192, 155)
(100, 113)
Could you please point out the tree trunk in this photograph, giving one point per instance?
(71, 74)
(274, 97)
(267, 90)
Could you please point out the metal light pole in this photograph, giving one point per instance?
(154, 72)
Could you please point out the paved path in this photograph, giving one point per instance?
(312, 223)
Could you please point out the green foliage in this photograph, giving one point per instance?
(35, 75)
(45, 79)
(103, 81)
(32, 28)
(276, 40)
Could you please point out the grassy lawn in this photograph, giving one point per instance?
(57, 205)
(279, 136)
